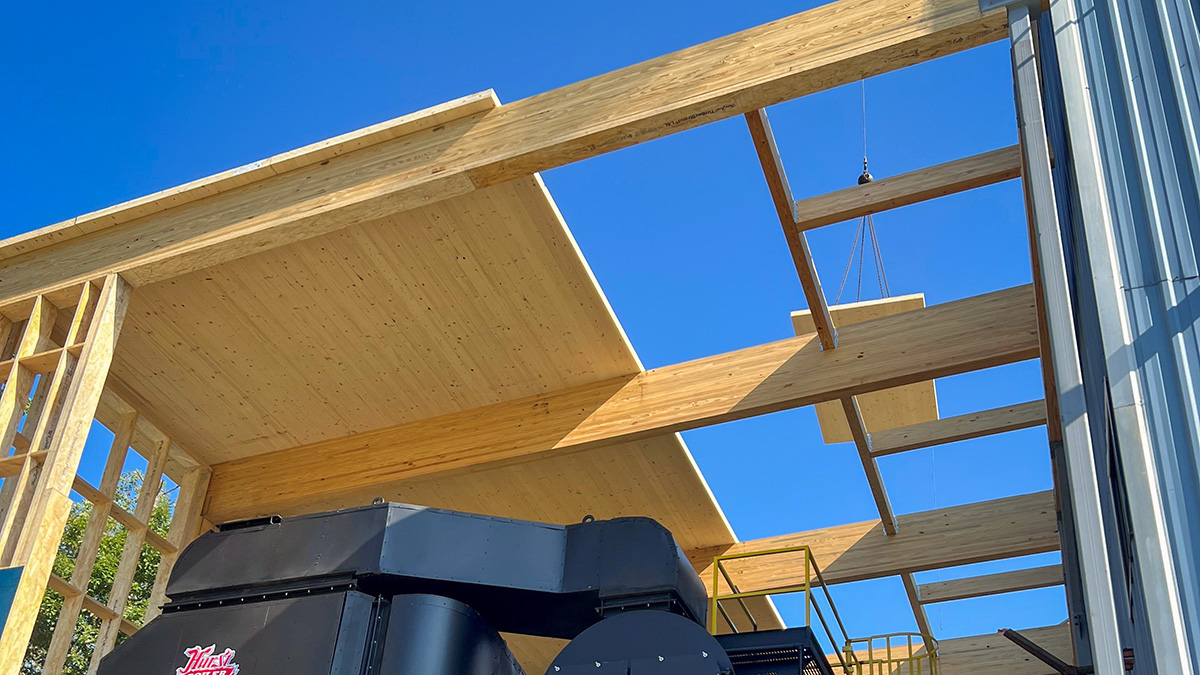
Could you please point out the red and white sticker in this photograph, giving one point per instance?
(205, 661)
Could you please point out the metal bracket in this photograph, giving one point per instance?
(1034, 6)
(1044, 656)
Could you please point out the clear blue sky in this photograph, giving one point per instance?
(110, 102)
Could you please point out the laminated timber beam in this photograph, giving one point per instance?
(248, 210)
(909, 188)
(958, 428)
(955, 337)
(991, 584)
(781, 196)
(947, 537)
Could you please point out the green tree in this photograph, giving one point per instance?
(103, 574)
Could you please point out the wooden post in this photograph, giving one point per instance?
(38, 542)
(185, 526)
(127, 568)
(89, 547)
(17, 489)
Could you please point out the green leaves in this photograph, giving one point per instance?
(103, 573)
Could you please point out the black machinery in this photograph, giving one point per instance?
(393, 589)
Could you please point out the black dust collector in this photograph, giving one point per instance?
(393, 589)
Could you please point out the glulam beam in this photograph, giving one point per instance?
(970, 334)
(991, 584)
(913, 187)
(947, 537)
(958, 428)
(207, 223)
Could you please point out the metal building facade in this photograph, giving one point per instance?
(1121, 89)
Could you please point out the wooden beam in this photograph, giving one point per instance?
(958, 428)
(909, 188)
(858, 431)
(911, 590)
(781, 197)
(819, 49)
(806, 269)
(994, 654)
(956, 535)
(979, 332)
(991, 584)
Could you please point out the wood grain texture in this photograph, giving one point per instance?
(812, 51)
(438, 310)
(106, 638)
(884, 409)
(959, 428)
(781, 197)
(89, 547)
(956, 535)
(909, 188)
(39, 541)
(225, 181)
(990, 654)
(991, 584)
(994, 654)
(970, 334)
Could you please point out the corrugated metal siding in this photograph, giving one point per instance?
(1141, 59)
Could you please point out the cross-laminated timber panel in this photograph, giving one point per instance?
(979, 332)
(227, 218)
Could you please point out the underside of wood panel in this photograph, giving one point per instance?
(884, 409)
(446, 308)
(961, 336)
(990, 654)
(994, 654)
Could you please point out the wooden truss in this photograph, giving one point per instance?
(64, 291)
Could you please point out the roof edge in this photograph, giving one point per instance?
(308, 155)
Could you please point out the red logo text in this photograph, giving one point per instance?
(204, 661)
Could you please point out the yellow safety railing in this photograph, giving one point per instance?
(811, 573)
(894, 654)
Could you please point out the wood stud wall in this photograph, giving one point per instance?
(56, 354)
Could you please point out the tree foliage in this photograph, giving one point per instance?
(103, 573)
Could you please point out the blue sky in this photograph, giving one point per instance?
(109, 102)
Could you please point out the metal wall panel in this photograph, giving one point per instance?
(1133, 113)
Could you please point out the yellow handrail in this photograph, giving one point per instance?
(899, 654)
(810, 571)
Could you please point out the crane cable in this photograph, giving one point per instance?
(865, 231)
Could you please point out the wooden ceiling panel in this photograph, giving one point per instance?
(884, 409)
(464, 303)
